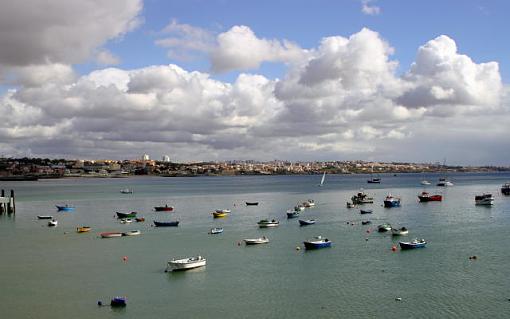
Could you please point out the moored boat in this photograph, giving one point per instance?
(317, 242)
(118, 302)
(256, 241)
(391, 201)
(426, 197)
(309, 203)
(126, 215)
(44, 217)
(126, 191)
(83, 229)
(366, 222)
(425, 182)
(265, 223)
(185, 263)
(64, 208)
(139, 219)
(485, 199)
(365, 211)
(306, 222)
(505, 189)
(292, 214)
(443, 182)
(351, 205)
(111, 234)
(166, 224)
(252, 203)
(361, 198)
(384, 228)
(399, 231)
(132, 233)
(126, 221)
(415, 243)
(299, 208)
(53, 223)
(165, 208)
(219, 214)
(216, 230)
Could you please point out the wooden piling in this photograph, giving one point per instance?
(13, 203)
(7, 204)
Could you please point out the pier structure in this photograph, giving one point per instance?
(7, 203)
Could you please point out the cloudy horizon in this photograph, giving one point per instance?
(94, 79)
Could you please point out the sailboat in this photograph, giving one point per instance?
(443, 181)
(322, 179)
(373, 180)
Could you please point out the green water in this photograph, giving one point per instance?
(57, 273)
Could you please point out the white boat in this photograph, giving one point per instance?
(132, 233)
(299, 208)
(126, 191)
(425, 182)
(216, 230)
(443, 182)
(485, 199)
(309, 203)
(400, 231)
(111, 235)
(126, 220)
(223, 211)
(265, 223)
(53, 223)
(256, 241)
(322, 179)
(351, 205)
(185, 263)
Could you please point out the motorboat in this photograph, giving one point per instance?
(53, 223)
(366, 222)
(126, 221)
(309, 203)
(256, 241)
(292, 214)
(384, 228)
(317, 242)
(391, 201)
(44, 217)
(166, 224)
(399, 231)
(185, 263)
(126, 191)
(415, 243)
(118, 302)
(83, 229)
(374, 180)
(217, 214)
(132, 233)
(426, 197)
(365, 211)
(216, 230)
(505, 189)
(111, 235)
(351, 205)
(265, 223)
(361, 198)
(485, 199)
(306, 222)
(64, 208)
(139, 219)
(224, 211)
(443, 182)
(126, 215)
(299, 208)
(425, 182)
(165, 208)
(252, 203)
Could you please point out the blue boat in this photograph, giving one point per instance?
(416, 243)
(118, 302)
(65, 208)
(317, 242)
(166, 224)
(292, 214)
(391, 201)
(365, 211)
(306, 222)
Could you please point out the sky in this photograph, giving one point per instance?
(375, 80)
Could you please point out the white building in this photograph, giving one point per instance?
(145, 157)
(166, 158)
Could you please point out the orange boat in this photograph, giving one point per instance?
(426, 197)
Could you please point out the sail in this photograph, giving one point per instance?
(322, 179)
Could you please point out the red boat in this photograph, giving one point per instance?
(165, 208)
(426, 197)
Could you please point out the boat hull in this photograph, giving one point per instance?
(111, 235)
(316, 245)
(365, 211)
(430, 198)
(268, 225)
(163, 208)
(44, 217)
(256, 241)
(64, 208)
(215, 231)
(185, 264)
(410, 245)
(83, 229)
(306, 222)
(132, 233)
(126, 215)
(252, 203)
(391, 203)
(166, 224)
(292, 214)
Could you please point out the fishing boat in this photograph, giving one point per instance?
(44, 217)
(292, 214)
(111, 235)
(83, 229)
(165, 208)
(126, 191)
(317, 242)
(426, 197)
(384, 228)
(309, 203)
(265, 223)
(256, 241)
(415, 243)
(306, 222)
(132, 233)
(166, 224)
(399, 231)
(365, 211)
(252, 203)
(485, 199)
(505, 189)
(126, 215)
(443, 182)
(391, 201)
(126, 221)
(361, 198)
(64, 208)
(299, 208)
(185, 263)
(322, 179)
(118, 302)
(53, 223)
(351, 205)
(216, 230)
(373, 180)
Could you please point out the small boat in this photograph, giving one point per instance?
(265, 223)
(216, 230)
(365, 211)
(425, 182)
(139, 219)
(399, 231)
(292, 214)
(225, 211)
(166, 224)
(443, 182)
(83, 229)
(373, 180)
(219, 214)
(391, 201)
(309, 203)
(126, 221)
(44, 217)
(366, 222)
(165, 208)
(299, 208)
(426, 197)
(415, 243)
(185, 263)
(384, 228)
(351, 205)
(64, 208)
(306, 222)
(118, 302)
(252, 203)
(53, 223)
(317, 242)
(256, 241)
(126, 191)
(361, 198)
(132, 233)
(505, 189)
(322, 179)
(111, 234)
(485, 199)
(126, 215)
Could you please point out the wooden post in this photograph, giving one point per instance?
(13, 203)
(2, 205)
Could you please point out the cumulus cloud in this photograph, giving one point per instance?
(368, 8)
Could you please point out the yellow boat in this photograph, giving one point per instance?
(219, 214)
(83, 229)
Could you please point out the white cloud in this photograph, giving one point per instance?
(368, 8)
